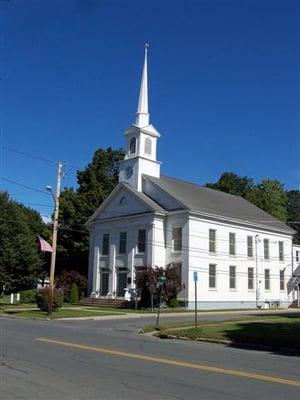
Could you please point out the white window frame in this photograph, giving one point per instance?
(252, 278)
(105, 254)
(232, 277)
(119, 248)
(212, 241)
(210, 276)
(145, 244)
(174, 239)
(267, 279)
(282, 281)
(266, 249)
(232, 234)
(281, 250)
(250, 247)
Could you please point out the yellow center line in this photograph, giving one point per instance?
(177, 363)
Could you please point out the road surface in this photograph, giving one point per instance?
(108, 359)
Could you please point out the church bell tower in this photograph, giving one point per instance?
(141, 141)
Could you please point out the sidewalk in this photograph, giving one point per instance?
(180, 314)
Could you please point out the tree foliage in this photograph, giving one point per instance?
(269, 195)
(293, 211)
(21, 264)
(95, 183)
(151, 289)
(233, 184)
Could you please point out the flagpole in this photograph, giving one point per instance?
(54, 235)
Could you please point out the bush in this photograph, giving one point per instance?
(42, 297)
(74, 293)
(28, 296)
(173, 302)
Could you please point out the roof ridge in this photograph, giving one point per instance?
(203, 186)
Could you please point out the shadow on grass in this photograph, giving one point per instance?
(277, 337)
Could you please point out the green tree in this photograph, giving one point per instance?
(270, 196)
(293, 212)
(21, 264)
(95, 183)
(233, 184)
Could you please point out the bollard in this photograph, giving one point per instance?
(11, 298)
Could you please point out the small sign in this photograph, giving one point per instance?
(195, 276)
(162, 279)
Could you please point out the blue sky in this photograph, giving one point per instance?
(224, 86)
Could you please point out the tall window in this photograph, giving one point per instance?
(281, 279)
(280, 250)
(141, 247)
(232, 277)
(148, 146)
(132, 146)
(122, 242)
(267, 279)
(250, 246)
(212, 240)
(177, 238)
(250, 278)
(232, 244)
(105, 244)
(266, 249)
(212, 278)
(297, 256)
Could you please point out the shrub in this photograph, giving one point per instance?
(173, 302)
(28, 296)
(74, 293)
(67, 278)
(42, 297)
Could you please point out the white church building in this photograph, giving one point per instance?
(243, 255)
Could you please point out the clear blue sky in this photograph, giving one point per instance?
(224, 86)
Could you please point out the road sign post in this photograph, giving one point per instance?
(196, 310)
(160, 284)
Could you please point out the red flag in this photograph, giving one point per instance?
(45, 246)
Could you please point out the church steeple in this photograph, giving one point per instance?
(141, 142)
(142, 115)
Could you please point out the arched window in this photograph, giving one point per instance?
(132, 146)
(148, 146)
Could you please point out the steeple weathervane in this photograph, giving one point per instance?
(142, 115)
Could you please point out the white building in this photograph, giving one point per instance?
(243, 255)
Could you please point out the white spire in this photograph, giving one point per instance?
(142, 115)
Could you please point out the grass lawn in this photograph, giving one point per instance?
(61, 313)
(275, 331)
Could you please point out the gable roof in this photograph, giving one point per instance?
(216, 203)
(141, 196)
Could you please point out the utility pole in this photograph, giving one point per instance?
(54, 234)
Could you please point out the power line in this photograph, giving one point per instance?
(25, 186)
(23, 153)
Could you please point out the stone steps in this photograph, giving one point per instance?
(104, 302)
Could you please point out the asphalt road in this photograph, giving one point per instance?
(109, 360)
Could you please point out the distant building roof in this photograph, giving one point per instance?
(214, 202)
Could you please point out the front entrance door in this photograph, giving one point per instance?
(122, 282)
(104, 279)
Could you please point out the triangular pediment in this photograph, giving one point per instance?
(124, 201)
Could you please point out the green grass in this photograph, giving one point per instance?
(274, 331)
(61, 313)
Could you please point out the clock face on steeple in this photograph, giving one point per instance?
(128, 172)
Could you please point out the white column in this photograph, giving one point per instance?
(112, 267)
(130, 265)
(151, 244)
(96, 272)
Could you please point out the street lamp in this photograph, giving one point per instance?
(54, 235)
